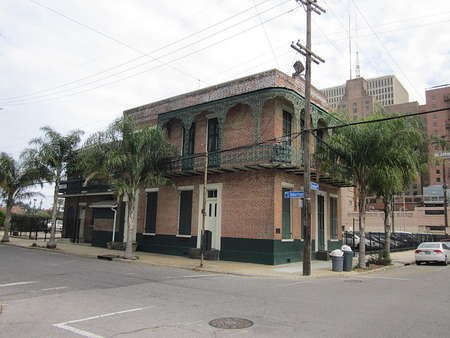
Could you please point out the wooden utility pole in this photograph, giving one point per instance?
(310, 5)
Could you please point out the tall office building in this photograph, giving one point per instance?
(385, 90)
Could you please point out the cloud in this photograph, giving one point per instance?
(40, 49)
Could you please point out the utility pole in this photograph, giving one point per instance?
(309, 5)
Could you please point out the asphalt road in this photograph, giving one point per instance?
(46, 294)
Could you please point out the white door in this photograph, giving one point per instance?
(211, 217)
(81, 221)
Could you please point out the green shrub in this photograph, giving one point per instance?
(2, 218)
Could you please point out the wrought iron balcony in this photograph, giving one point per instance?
(73, 186)
(253, 157)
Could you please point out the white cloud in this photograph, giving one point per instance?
(40, 49)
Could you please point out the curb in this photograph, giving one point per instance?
(292, 276)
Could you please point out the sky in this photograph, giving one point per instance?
(78, 64)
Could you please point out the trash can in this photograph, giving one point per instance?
(337, 260)
(348, 257)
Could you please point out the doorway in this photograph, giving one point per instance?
(213, 216)
(321, 222)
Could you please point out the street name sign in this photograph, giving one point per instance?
(314, 186)
(294, 194)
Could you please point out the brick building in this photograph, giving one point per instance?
(437, 125)
(245, 124)
(385, 90)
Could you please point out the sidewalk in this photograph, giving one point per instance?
(291, 270)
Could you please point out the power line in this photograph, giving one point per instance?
(384, 47)
(266, 35)
(109, 37)
(176, 42)
(379, 120)
(155, 67)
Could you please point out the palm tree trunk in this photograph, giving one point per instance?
(362, 227)
(51, 244)
(387, 232)
(7, 223)
(130, 228)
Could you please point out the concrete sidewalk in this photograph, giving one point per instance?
(291, 270)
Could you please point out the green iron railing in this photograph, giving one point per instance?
(261, 154)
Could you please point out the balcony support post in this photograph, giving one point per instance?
(256, 105)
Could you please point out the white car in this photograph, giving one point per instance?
(432, 252)
(59, 225)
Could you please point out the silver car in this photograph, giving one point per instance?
(432, 252)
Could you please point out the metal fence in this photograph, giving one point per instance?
(399, 240)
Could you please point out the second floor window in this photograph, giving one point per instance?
(191, 140)
(287, 126)
(213, 135)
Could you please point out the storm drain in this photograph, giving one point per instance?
(231, 323)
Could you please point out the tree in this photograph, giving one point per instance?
(16, 178)
(129, 157)
(406, 158)
(52, 154)
(352, 152)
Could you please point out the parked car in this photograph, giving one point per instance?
(59, 225)
(432, 252)
(348, 239)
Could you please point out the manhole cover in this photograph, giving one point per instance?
(231, 323)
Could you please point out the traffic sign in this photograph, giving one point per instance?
(294, 194)
(314, 186)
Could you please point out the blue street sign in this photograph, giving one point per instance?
(314, 186)
(294, 194)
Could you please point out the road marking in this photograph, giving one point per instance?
(17, 283)
(65, 326)
(77, 331)
(55, 288)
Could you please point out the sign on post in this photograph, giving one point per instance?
(314, 186)
(294, 194)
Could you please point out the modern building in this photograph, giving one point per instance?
(437, 125)
(245, 125)
(360, 98)
(385, 90)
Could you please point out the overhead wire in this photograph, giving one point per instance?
(386, 50)
(155, 67)
(109, 37)
(54, 90)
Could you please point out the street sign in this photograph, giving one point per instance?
(314, 186)
(294, 194)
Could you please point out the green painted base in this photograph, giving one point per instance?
(262, 251)
(166, 244)
(332, 245)
(100, 238)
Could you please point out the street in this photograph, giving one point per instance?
(50, 294)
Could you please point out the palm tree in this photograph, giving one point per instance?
(16, 178)
(353, 152)
(52, 154)
(406, 157)
(129, 157)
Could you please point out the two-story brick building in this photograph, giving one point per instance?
(246, 126)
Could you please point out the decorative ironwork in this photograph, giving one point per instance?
(263, 155)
